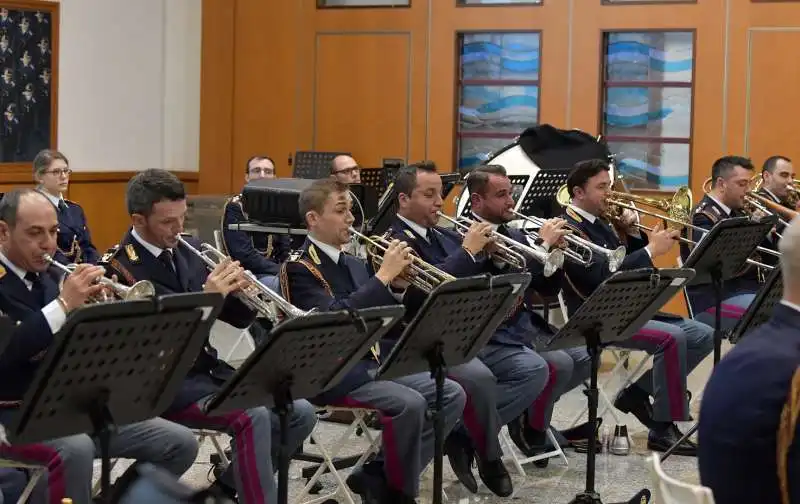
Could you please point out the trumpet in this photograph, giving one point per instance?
(252, 294)
(419, 273)
(766, 205)
(511, 251)
(142, 289)
(614, 257)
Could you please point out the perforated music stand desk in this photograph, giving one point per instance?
(540, 199)
(113, 364)
(760, 310)
(302, 358)
(453, 325)
(618, 308)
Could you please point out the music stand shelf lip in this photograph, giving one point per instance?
(760, 310)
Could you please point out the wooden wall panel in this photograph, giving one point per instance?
(364, 106)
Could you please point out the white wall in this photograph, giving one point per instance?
(129, 84)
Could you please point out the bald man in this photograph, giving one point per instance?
(749, 447)
(345, 169)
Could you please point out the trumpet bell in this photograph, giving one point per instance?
(562, 196)
(142, 289)
(615, 258)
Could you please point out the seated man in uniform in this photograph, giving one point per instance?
(730, 181)
(491, 201)
(345, 169)
(678, 345)
(151, 250)
(322, 276)
(51, 172)
(778, 177)
(516, 374)
(260, 253)
(749, 431)
(30, 295)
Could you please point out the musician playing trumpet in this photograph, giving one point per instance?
(730, 183)
(777, 175)
(151, 250)
(322, 276)
(491, 201)
(506, 377)
(30, 296)
(677, 344)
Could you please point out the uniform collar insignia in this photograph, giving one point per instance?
(131, 252)
(409, 233)
(572, 213)
(2, 271)
(312, 251)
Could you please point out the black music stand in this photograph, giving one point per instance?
(618, 308)
(453, 325)
(540, 199)
(314, 164)
(113, 364)
(760, 310)
(302, 358)
(721, 253)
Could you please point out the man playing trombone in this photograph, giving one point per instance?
(491, 201)
(511, 374)
(322, 276)
(678, 345)
(152, 250)
(777, 175)
(730, 184)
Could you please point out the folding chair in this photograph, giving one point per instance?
(667, 490)
(35, 472)
(329, 454)
(517, 461)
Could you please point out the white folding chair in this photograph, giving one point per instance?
(667, 490)
(330, 453)
(518, 461)
(35, 472)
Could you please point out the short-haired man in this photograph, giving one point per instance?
(503, 380)
(749, 430)
(51, 173)
(678, 345)
(322, 276)
(151, 250)
(777, 175)
(491, 201)
(30, 295)
(260, 253)
(345, 169)
(730, 182)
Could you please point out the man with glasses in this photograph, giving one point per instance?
(51, 173)
(345, 169)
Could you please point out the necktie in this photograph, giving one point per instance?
(62, 206)
(37, 288)
(166, 259)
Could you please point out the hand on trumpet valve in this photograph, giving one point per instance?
(478, 236)
(226, 277)
(553, 232)
(82, 285)
(628, 220)
(397, 257)
(661, 240)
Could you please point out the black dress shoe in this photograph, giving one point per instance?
(526, 438)
(581, 432)
(369, 483)
(637, 401)
(461, 455)
(495, 476)
(662, 440)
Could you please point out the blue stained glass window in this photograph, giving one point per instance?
(498, 91)
(647, 106)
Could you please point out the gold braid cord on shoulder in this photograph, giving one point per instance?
(786, 434)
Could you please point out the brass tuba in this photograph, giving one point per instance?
(142, 289)
(419, 273)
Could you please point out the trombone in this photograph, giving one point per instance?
(511, 251)
(420, 274)
(252, 294)
(142, 289)
(614, 257)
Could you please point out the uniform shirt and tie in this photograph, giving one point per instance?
(74, 239)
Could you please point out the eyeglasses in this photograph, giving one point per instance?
(352, 169)
(59, 171)
(262, 171)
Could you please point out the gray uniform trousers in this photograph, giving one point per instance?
(481, 421)
(568, 368)
(732, 310)
(254, 443)
(70, 460)
(677, 348)
(407, 427)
